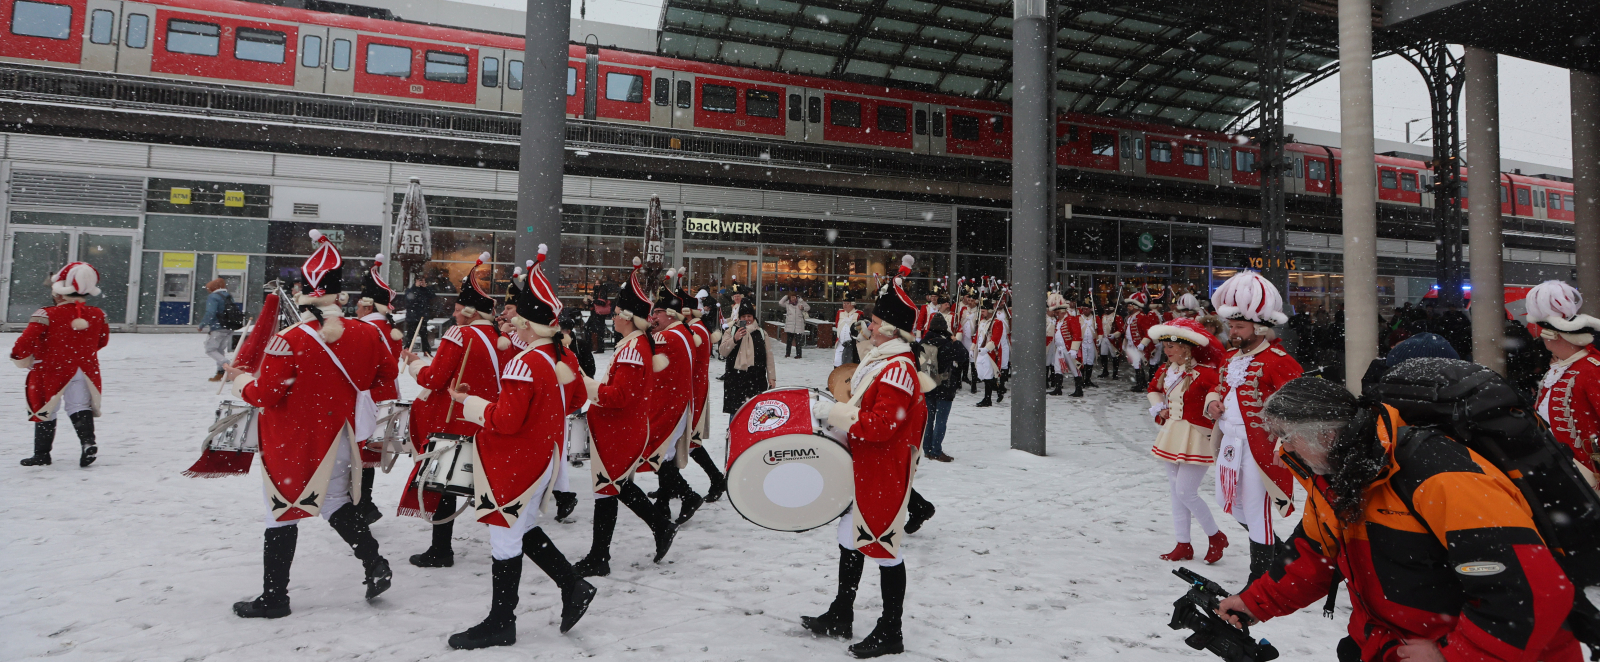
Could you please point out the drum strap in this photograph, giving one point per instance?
(331, 355)
(386, 347)
(494, 357)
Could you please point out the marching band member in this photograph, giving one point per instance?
(700, 416)
(1111, 333)
(986, 350)
(968, 332)
(671, 402)
(1569, 395)
(1250, 481)
(1059, 343)
(619, 429)
(373, 309)
(60, 350)
(1189, 306)
(311, 381)
(1088, 323)
(1137, 345)
(885, 418)
(1002, 316)
(561, 490)
(470, 353)
(927, 311)
(518, 450)
(844, 324)
(1177, 395)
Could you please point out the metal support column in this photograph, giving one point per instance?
(544, 126)
(1483, 199)
(1586, 184)
(1277, 22)
(1033, 185)
(1360, 190)
(1442, 71)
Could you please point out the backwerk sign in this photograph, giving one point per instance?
(719, 226)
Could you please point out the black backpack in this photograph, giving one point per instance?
(1478, 407)
(231, 317)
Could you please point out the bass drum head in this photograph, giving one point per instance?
(792, 482)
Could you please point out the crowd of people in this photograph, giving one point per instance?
(1442, 554)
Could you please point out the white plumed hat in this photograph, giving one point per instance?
(77, 279)
(1554, 305)
(1249, 296)
(1188, 302)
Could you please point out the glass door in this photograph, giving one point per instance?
(112, 256)
(33, 258)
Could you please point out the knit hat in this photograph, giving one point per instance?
(1250, 296)
(1422, 345)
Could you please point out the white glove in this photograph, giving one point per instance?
(1155, 410)
(821, 408)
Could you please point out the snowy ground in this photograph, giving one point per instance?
(1028, 558)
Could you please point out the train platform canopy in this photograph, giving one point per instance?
(1190, 64)
(1560, 33)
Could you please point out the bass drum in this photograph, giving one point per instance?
(785, 472)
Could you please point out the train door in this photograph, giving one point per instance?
(794, 114)
(921, 114)
(661, 89)
(311, 71)
(491, 75)
(340, 73)
(511, 98)
(813, 116)
(1537, 211)
(133, 53)
(1316, 175)
(100, 35)
(936, 129)
(682, 100)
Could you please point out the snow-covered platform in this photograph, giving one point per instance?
(1028, 558)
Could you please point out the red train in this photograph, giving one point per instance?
(292, 49)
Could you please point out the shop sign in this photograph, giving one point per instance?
(233, 198)
(718, 226)
(1147, 242)
(180, 196)
(232, 262)
(1258, 263)
(177, 260)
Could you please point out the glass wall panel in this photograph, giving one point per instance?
(35, 257)
(112, 256)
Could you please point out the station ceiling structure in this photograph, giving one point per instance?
(1192, 64)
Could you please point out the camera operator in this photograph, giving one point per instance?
(1437, 547)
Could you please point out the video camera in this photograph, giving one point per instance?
(1197, 611)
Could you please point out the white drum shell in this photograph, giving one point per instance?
(243, 435)
(793, 482)
(450, 471)
(577, 439)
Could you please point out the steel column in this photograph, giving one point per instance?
(1033, 185)
(1586, 184)
(1360, 190)
(1442, 71)
(1277, 21)
(1483, 213)
(544, 124)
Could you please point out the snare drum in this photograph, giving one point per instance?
(577, 439)
(785, 471)
(392, 436)
(447, 468)
(234, 429)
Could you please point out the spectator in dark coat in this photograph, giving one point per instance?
(419, 307)
(949, 361)
(750, 368)
(1526, 359)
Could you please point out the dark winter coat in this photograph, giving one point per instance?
(738, 386)
(952, 363)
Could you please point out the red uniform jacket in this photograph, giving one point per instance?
(1574, 408)
(885, 439)
(572, 392)
(521, 434)
(1139, 332)
(702, 376)
(53, 351)
(619, 417)
(386, 389)
(1268, 371)
(305, 401)
(992, 342)
(1194, 398)
(466, 356)
(1118, 327)
(672, 394)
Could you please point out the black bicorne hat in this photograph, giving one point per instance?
(536, 300)
(472, 295)
(894, 305)
(519, 280)
(667, 297)
(373, 286)
(633, 299)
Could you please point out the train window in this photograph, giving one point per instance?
(489, 75)
(891, 119)
(1503, 195)
(796, 108)
(844, 113)
(514, 77)
(719, 98)
(311, 51)
(572, 81)
(1318, 170)
(1462, 190)
(999, 124)
(1160, 151)
(446, 67)
(1427, 182)
(662, 94)
(763, 103)
(1572, 204)
(964, 127)
(1388, 179)
(1408, 181)
(1072, 133)
(919, 122)
(341, 55)
(41, 19)
(1103, 144)
(685, 94)
(1127, 145)
(191, 37)
(1555, 201)
(138, 31)
(1522, 197)
(1216, 162)
(102, 22)
(1538, 198)
(1138, 148)
(1194, 157)
(814, 110)
(1244, 161)
(386, 60)
(260, 45)
(938, 124)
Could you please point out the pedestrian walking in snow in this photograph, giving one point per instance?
(795, 310)
(60, 349)
(218, 336)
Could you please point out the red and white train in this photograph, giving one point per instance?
(244, 43)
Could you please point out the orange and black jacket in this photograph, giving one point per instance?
(1462, 565)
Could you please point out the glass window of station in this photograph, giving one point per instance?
(1106, 259)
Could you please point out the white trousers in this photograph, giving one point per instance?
(562, 464)
(1250, 505)
(986, 367)
(1087, 350)
(506, 543)
(847, 540)
(338, 494)
(1184, 482)
(75, 397)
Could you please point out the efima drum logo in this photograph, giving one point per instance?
(777, 455)
(768, 415)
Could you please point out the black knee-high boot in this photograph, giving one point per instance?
(500, 627)
(1140, 383)
(839, 620)
(660, 525)
(347, 522)
(576, 594)
(886, 638)
(1055, 383)
(440, 554)
(1105, 368)
(44, 437)
(988, 394)
(1261, 557)
(277, 555)
(673, 486)
(918, 510)
(719, 482)
(566, 502)
(369, 510)
(598, 562)
(83, 424)
(1077, 387)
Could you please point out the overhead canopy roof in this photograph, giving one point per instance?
(1186, 62)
